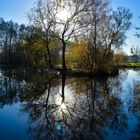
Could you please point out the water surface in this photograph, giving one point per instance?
(36, 106)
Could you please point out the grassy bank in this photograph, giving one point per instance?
(129, 65)
(85, 73)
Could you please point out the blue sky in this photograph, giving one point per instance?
(16, 10)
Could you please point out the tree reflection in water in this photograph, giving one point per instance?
(135, 108)
(67, 108)
(59, 113)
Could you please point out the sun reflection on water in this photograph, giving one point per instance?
(63, 106)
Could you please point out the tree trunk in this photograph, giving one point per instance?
(49, 57)
(63, 87)
(63, 57)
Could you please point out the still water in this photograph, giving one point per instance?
(37, 106)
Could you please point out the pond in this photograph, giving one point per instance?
(36, 106)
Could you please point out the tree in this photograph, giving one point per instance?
(108, 34)
(35, 52)
(71, 25)
(119, 57)
(8, 39)
(137, 33)
(79, 57)
(42, 15)
(135, 50)
(96, 16)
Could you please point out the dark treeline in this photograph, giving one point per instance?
(20, 45)
(11, 40)
(83, 39)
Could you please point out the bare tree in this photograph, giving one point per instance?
(97, 15)
(135, 50)
(137, 33)
(71, 25)
(107, 32)
(42, 15)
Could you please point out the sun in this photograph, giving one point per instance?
(63, 12)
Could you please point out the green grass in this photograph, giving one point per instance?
(129, 64)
